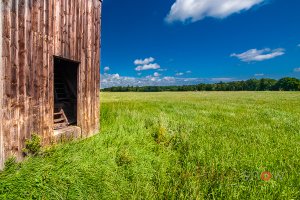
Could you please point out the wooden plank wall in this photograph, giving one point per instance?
(33, 32)
(1, 94)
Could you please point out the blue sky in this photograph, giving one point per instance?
(176, 42)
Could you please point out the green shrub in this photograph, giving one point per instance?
(10, 163)
(33, 145)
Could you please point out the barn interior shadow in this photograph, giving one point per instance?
(65, 92)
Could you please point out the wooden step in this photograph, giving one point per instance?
(59, 120)
(58, 113)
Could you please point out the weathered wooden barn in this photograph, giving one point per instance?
(49, 71)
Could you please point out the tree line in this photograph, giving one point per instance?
(265, 84)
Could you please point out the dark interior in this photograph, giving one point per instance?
(65, 92)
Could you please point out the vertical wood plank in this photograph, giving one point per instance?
(2, 159)
(21, 77)
(14, 106)
(29, 69)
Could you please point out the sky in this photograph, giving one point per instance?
(181, 42)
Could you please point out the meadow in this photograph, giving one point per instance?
(189, 145)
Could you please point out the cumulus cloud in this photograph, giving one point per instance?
(144, 61)
(106, 69)
(188, 72)
(169, 78)
(297, 69)
(194, 10)
(111, 80)
(259, 55)
(115, 76)
(146, 64)
(147, 67)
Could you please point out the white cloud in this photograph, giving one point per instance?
(169, 78)
(259, 55)
(150, 78)
(144, 61)
(110, 80)
(147, 67)
(297, 69)
(115, 76)
(188, 72)
(106, 69)
(156, 74)
(259, 74)
(146, 64)
(194, 10)
(179, 74)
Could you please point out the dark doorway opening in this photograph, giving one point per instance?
(65, 92)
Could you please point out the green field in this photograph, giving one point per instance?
(201, 145)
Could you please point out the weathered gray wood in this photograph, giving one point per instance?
(32, 33)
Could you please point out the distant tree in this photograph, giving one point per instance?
(288, 84)
(252, 85)
(266, 84)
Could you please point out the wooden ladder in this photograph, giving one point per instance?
(62, 106)
(60, 120)
(61, 94)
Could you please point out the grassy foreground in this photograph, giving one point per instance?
(210, 145)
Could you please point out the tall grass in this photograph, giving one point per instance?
(210, 145)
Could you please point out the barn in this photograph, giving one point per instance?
(49, 71)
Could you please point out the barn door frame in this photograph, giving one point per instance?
(78, 63)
